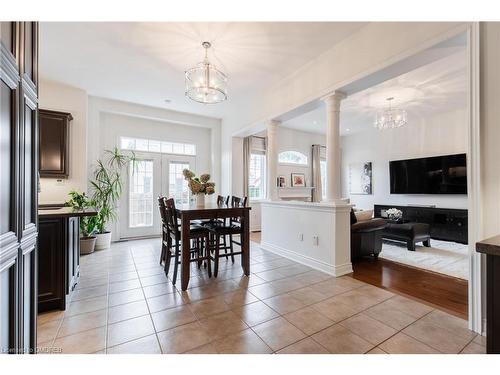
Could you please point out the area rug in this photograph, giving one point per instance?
(449, 258)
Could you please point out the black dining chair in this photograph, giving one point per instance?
(199, 234)
(219, 230)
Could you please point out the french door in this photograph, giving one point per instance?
(151, 176)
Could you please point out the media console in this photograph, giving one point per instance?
(447, 224)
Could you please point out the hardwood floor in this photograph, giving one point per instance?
(440, 291)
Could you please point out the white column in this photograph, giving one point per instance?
(272, 160)
(333, 183)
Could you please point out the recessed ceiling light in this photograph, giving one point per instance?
(315, 122)
(348, 130)
(168, 101)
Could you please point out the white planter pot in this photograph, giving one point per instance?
(200, 200)
(103, 241)
(87, 245)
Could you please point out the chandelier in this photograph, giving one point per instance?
(390, 118)
(205, 83)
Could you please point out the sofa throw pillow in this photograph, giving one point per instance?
(363, 215)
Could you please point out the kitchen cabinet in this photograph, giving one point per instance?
(54, 143)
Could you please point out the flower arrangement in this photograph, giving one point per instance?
(199, 185)
(394, 214)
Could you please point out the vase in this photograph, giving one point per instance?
(103, 241)
(200, 200)
(87, 245)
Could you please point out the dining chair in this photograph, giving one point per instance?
(198, 253)
(220, 230)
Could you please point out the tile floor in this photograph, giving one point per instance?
(124, 303)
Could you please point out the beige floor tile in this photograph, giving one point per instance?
(49, 316)
(309, 320)
(47, 331)
(153, 280)
(158, 289)
(437, 337)
(409, 306)
(255, 313)
(376, 350)
(163, 302)
(81, 294)
(244, 342)
(82, 343)
(334, 310)
(88, 305)
(284, 303)
(306, 346)
(127, 296)
(248, 281)
(340, 340)
(368, 328)
(403, 344)
(473, 348)
(264, 291)
(452, 323)
(82, 322)
(239, 298)
(271, 275)
(278, 333)
(390, 316)
(223, 324)
(170, 318)
(127, 311)
(208, 307)
(481, 340)
(123, 276)
(183, 338)
(308, 295)
(203, 349)
(330, 288)
(144, 345)
(357, 300)
(120, 286)
(129, 330)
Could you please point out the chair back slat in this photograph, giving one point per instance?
(220, 200)
(235, 201)
(172, 221)
(163, 210)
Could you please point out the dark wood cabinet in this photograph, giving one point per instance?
(447, 224)
(18, 186)
(59, 261)
(54, 143)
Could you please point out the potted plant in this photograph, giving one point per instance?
(80, 201)
(106, 191)
(199, 186)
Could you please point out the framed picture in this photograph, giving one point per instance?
(298, 180)
(360, 178)
(281, 181)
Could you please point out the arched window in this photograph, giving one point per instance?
(292, 157)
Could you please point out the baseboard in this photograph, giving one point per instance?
(336, 271)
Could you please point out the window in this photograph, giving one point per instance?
(322, 167)
(292, 157)
(256, 176)
(150, 145)
(141, 194)
(178, 186)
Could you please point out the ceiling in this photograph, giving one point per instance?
(145, 62)
(437, 87)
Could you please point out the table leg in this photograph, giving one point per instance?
(245, 243)
(185, 264)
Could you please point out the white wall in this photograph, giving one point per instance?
(295, 140)
(440, 134)
(59, 97)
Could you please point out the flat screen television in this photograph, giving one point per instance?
(434, 175)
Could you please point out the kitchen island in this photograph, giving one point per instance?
(58, 254)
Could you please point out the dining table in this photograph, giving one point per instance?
(192, 211)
